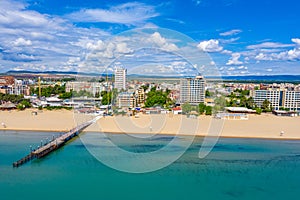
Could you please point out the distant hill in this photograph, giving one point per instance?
(268, 78)
(253, 78)
(12, 72)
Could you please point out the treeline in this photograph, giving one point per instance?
(159, 98)
(49, 90)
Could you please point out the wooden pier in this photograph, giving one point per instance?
(54, 144)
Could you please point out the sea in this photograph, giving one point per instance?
(234, 169)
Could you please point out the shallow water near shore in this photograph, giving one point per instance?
(235, 169)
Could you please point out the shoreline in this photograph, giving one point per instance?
(163, 134)
(265, 126)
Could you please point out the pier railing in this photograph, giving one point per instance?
(55, 144)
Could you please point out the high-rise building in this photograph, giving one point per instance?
(291, 100)
(273, 96)
(192, 90)
(279, 98)
(120, 78)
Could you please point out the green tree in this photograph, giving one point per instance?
(208, 110)
(207, 93)
(258, 111)
(220, 103)
(158, 98)
(186, 108)
(202, 108)
(266, 106)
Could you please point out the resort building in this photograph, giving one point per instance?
(291, 100)
(273, 96)
(92, 87)
(126, 100)
(120, 78)
(279, 98)
(192, 90)
(9, 85)
(140, 96)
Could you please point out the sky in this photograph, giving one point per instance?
(233, 37)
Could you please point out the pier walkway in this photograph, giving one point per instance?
(54, 144)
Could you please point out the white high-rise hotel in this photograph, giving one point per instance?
(192, 90)
(278, 98)
(120, 78)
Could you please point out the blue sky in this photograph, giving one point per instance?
(257, 37)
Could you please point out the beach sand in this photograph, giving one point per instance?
(258, 126)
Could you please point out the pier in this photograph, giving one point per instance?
(53, 145)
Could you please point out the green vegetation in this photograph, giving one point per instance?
(158, 98)
(82, 93)
(50, 90)
(67, 79)
(12, 98)
(66, 95)
(58, 107)
(207, 94)
(23, 104)
(239, 98)
(109, 97)
(208, 110)
(202, 107)
(220, 104)
(266, 106)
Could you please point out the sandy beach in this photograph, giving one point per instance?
(258, 126)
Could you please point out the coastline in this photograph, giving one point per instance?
(265, 126)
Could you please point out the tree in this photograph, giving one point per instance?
(202, 108)
(158, 98)
(23, 104)
(208, 110)
(258, 111)
(207, 93)
(266, 106)
(186, 108)
(220, 103)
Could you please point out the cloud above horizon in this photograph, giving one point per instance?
(40, 36)
(130, 14)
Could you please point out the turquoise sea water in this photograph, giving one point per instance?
(235, 169)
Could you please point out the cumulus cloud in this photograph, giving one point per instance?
(22, 42)
(210, 46)
(26, 35)
(231, 32)
(234, 60)
(162, 42)
(132, 13)
(296, 40)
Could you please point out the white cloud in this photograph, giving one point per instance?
(234, 60)
(231, 69)
(123, 48)
(22, 42)
(228, 41)
(231, 32)
(262, 56)
(132, 13)
(296, 40)
(269, 45)
(162, 42)
(290, 55)
(226, 52)
(210, 46)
